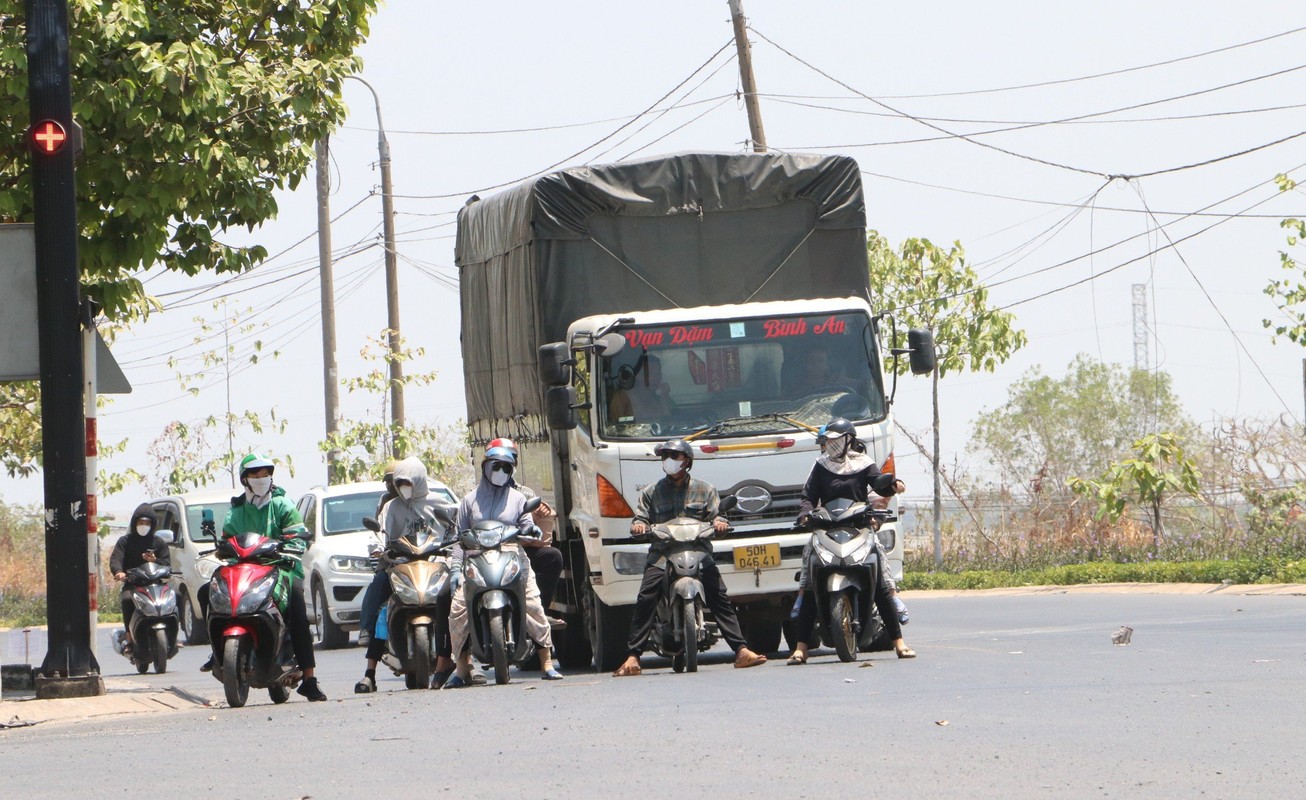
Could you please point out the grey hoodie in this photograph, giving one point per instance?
(401, 516)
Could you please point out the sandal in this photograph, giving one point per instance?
(627, 670)
(747, 659)
(796, 660)
(905, 652)
(365, 686)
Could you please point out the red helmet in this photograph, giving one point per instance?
(507, 444)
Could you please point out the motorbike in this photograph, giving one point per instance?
(494, 587)
(845, 572)
(249, 635)
(679, 632)
(155, 624)
(417, 613)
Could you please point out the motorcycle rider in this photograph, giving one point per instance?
(135, 547)
(546, 560)
(263, 508)
(494, 499)
(844, 471)
(412, 508)
(679, 495)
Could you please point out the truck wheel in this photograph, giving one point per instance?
(609, 631)
(763, 635)
(330, 635)
(192, 624)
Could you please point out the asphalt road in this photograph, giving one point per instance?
(1012, 696)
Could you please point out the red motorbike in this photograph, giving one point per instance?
(250, 639)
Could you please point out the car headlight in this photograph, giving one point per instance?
(403, 588)
(257, 595)
(629, 563)
(471, 573)
(888, 538)
(219, 600)
(206, 567)
(353, 564)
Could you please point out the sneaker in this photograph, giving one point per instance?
(365, 686)
(207, 666)
(311, 690)
(364, 638)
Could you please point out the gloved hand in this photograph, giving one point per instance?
(456, 579)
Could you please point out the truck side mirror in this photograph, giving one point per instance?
(553, 363)
(921, 343)
(560, 408)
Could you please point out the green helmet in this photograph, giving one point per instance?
(255, 461)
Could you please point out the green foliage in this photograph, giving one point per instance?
(193, 114)
(361, 448)
(925, 286)
(1159, 467)
(1051, 429)
(1237, 572)
(1289, 293)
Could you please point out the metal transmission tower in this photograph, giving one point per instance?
(1141, 360)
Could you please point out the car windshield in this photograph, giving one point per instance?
(443, 496)
(345, 514)
(741, 377)
(195, 519)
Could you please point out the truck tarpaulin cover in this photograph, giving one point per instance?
(672, 232)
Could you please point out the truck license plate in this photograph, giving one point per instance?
(757, 556)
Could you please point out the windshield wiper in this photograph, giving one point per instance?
(729, 422)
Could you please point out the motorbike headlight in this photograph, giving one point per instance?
(354, 564)
(471, 573)
(888, 538)
(168, 604)
(629, 563)
(488, 539)
(825, 555)
(219, 600)
(403, 588)
(142, 602)
(859, 555)
(513, 570)
(256, 595)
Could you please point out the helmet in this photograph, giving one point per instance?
(501, 454)
(255, 461)
(836, 427)
(675, 446)
(507, 444)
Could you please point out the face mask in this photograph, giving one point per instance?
(260, 486)
(672, 466)
(499, 478)
(143, 529)
(836, 448)
(406, 492)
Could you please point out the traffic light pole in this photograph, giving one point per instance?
(70, 668)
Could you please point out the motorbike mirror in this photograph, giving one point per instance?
(371, 524)
(207, 526)
(534, 503)
(166, 536)
(883, 482)
(728, 504)
(445, 514)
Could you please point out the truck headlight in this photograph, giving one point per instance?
(629, 563)
(354, 564)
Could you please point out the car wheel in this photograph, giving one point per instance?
(192, 624)
(327, 633)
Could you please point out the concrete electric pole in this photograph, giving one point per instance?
(746, 76)
(330, 377)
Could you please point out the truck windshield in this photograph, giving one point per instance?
(741, 377)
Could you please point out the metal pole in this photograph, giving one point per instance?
(746, 76)
(63, 425)
(92, 456)
(330, 378)
(391, 268)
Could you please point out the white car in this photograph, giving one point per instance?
(191, 550)
(337, 569)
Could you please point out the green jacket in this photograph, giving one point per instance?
(279, 519)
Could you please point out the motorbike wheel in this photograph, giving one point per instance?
(419, 657)
(279, 693)
(234, 680)
(689, 624)
(142, 666)
(841, 628)
(160, 652)
(678, 663)
(498, 649)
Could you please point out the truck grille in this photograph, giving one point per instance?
(783, 504)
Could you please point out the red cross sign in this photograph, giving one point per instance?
(48, 137)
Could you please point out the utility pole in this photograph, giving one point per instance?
(391, 267)
(746, 76)
(330, 379)
(69, 668)
(1141, 358)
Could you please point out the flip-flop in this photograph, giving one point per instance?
(552, 674)
(796, 660)
(627, 670)
(906, 652)
(755, 660)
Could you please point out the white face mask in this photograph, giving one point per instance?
(672, 466)
(499, 478)
(260, 486)
(143, 529)
(836, 448)
(406, 492)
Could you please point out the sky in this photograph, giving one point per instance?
(1053, 144)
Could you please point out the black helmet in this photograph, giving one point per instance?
(837, 427)
(675, 446)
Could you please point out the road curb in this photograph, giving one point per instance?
(121, 698)
(1287, 589)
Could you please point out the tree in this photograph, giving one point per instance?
(925, 286)
(360, 448)
(1289, 294)
(193, 114)
(1051, 429)
(1157, 469)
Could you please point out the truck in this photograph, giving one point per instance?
(719, 298)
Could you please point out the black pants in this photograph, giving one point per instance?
(129, 608)
(727, 621)
(546, 564)
(301, 635)
(803, 628)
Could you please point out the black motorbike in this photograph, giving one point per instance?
(845, 571)
(154, 625)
